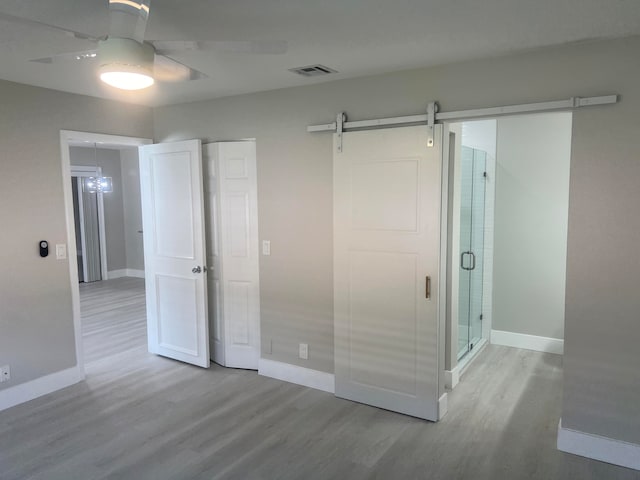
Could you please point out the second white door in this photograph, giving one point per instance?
(232, 236)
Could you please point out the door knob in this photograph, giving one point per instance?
(197, 269)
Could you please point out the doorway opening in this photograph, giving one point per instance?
(104, 231)
(508, 197)
(182, 200)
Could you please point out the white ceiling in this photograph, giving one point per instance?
(355, 37)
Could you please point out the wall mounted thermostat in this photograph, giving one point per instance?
(44, 248)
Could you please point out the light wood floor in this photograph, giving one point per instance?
(138, 416)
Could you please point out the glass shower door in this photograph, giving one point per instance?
(472, 216)
(466, 208)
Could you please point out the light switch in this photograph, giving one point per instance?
(61, 251)
(266, 247)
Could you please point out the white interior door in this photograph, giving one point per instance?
(214, 265)
(174, 251)
(233, 240)
(387, 187)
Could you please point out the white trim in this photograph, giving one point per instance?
(491, 112)
(118, 273)
(599, 448)
(443, 405)
(67, 138)
(85, 171)
(452, 378)
(71, 243)
(528, 342)
(126, 272)
(24, 392)
(299, 375)
(132, 272)
(441, 313)
(102, 235)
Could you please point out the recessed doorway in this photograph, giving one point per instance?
(104, 231)
(509, 191)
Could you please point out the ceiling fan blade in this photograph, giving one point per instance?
(252, 47)
(167, 69)
(35, 23)
(128, 18)
(66, 57)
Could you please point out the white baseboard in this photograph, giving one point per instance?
(132, 272)
(451, 378)
(528, 342)
(443, 405)
(24, 392)
(125, 272)
(298, 375)
(599, 448)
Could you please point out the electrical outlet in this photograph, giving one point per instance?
(304, 351)
(5, 373)
(266, 247)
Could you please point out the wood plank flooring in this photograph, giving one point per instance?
(139, 416)
(113, 317)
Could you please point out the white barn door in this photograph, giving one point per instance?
(387, 203)
(174, 251)
(232, 210)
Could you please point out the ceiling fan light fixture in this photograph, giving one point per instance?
(126, 77)
(126, 64)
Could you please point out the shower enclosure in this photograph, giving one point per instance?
(471, 262)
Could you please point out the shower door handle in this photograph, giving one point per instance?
(473, 261)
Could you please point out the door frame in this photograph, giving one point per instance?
(454, 367)
(78, 171)
(70, 138)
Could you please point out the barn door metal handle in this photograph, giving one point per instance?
(197, 269)
(427, 292)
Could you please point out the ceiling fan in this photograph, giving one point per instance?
(128, 61)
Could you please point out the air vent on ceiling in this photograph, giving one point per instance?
(313, 70)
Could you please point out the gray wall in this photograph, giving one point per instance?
(132, 208)
(532, 203)
(35, 296)
(602, 392)
(602, 333)
(109, 160)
